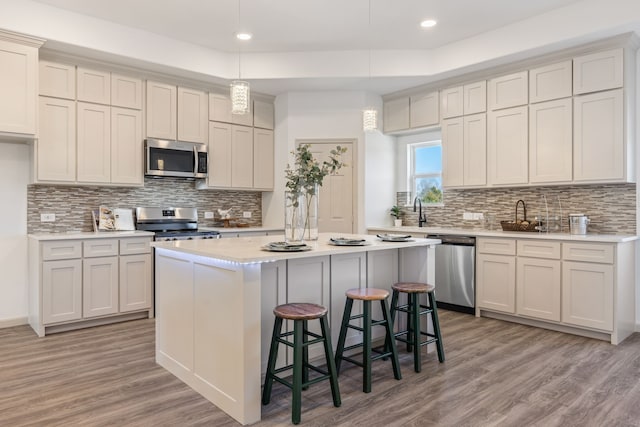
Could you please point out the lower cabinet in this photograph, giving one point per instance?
(496, 276)
(538, 288)
(61, 290)
(135, 277)
(99, 286)
(587, 295)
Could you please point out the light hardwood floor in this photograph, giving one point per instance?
(496, 374)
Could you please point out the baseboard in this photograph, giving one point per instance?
(18, 321)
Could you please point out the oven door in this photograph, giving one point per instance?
(175, 158)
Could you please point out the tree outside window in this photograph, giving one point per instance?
(426, 171)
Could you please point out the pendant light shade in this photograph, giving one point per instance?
(370, 120)
(239, 97)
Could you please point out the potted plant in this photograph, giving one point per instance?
(396, 211)
(303, 184)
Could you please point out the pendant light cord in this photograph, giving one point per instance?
(239, 44)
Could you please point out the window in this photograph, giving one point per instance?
(425, 171)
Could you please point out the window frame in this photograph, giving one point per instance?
(411, 174)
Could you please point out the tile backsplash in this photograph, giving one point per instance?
(72, 205)
(611, 208)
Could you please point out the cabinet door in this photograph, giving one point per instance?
(58, 80)
(587, 295)
(475, 150)
(126, 92)
(135, 282)
(273, 292)
(424, 110)
(241, 156)
(550, 82)
(219, 155)
(453, 152)
(263, 171)
(56, 144)
(475, 97)
(496, 282)
(598, 71)
(161, 110)
(598, 137)
(396, 114)
(192, 115)
(94, 143)
(126, 146)
(551, 141)
(61, 291)
(508, 146)
(94, 86)
(452, 102)
(18, 86)
(348, 271)
(99, 286)
(263, 115)
(538, 288)
(509, 91)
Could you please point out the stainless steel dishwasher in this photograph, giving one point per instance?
(455, 272)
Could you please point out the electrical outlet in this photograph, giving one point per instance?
(246, 214)
(48, 217)
(479, 216)
(467, 215)
(208, 215)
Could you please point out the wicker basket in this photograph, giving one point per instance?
(520, 225)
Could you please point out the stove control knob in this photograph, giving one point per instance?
(175, 238)
(189, 238)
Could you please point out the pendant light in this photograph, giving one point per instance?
(240, 91)
(369, 114)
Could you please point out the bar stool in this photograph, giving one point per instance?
(366, 295)
(300, 314)
(413, 334)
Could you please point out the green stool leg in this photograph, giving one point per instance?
(271, 364)
(436, 326)
(415, 320)
(343, 333)
(389, 341)
(305, 354)
(331, 366)
(297, 372)
(366, 341)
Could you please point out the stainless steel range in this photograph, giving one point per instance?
(172, 224)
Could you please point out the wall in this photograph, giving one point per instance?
(14, 177)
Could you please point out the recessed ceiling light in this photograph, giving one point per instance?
(244, 36)
(428, 23)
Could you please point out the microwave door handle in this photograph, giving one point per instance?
(195, 156)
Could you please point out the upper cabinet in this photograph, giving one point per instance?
(220, 111)
(550, 82)
(263, 115)
(424, 110)
(57, 80)
(126, 91)
(55, 148)
(452, 102)
(193, 114)
(94, 86)
(475, 97)
(508, 91)
(507, 146)
(162, 104)
(550, 142)
(18, 84)
(396, 115)
(598, 71)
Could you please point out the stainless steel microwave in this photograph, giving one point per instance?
(175, 158)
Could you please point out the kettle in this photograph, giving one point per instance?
(578, 223)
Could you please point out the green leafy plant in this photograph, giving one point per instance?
(396, 211)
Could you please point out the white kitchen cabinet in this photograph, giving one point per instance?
(94, 86)
(18, 83)
(263, 158)
(587, 295)
(598, 138)
(475, 97)
(61, 290)
(126, 91)
(55, 153)
(161, 110)
(475, 150)
(241, 156)
(598, 71)
(273, 292)
(550, 82)
(551, 142)
(94, 143)
(507, 146)
(424, 110)
(538, 288)
(263, 115)
(508, 91)
(220, 138)
(348, 271)
(135, 282)
(452, 102)
(382, 273)
(496, 282)
(126, 147)
(453, 152)
(396, 114)
(220, 111)
(57, 80)
(193, 115)
(99, 286)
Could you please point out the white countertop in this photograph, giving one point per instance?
(241, 229)
(74, 235)
(590, 237)
(246, 250)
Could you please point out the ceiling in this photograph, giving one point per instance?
(294, 27)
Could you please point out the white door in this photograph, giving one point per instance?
(336, 194)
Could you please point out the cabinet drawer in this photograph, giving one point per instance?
(137, 245)
(61, 249)
(588, 252)
(497, 246)
(100, 247)
(539, 249)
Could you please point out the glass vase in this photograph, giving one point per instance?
(295, 216)
(311, 222)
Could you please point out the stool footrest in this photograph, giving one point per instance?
(324, 375)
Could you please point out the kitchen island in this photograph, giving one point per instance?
(214, 301)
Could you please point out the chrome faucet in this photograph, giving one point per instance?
(422, 218)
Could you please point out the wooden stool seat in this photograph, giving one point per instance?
(300, 311)
(367, 294)
(413, 288)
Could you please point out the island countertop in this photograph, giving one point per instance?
(246, 250)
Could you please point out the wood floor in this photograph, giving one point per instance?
(496, 374)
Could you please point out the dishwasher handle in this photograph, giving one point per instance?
(454, 239)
